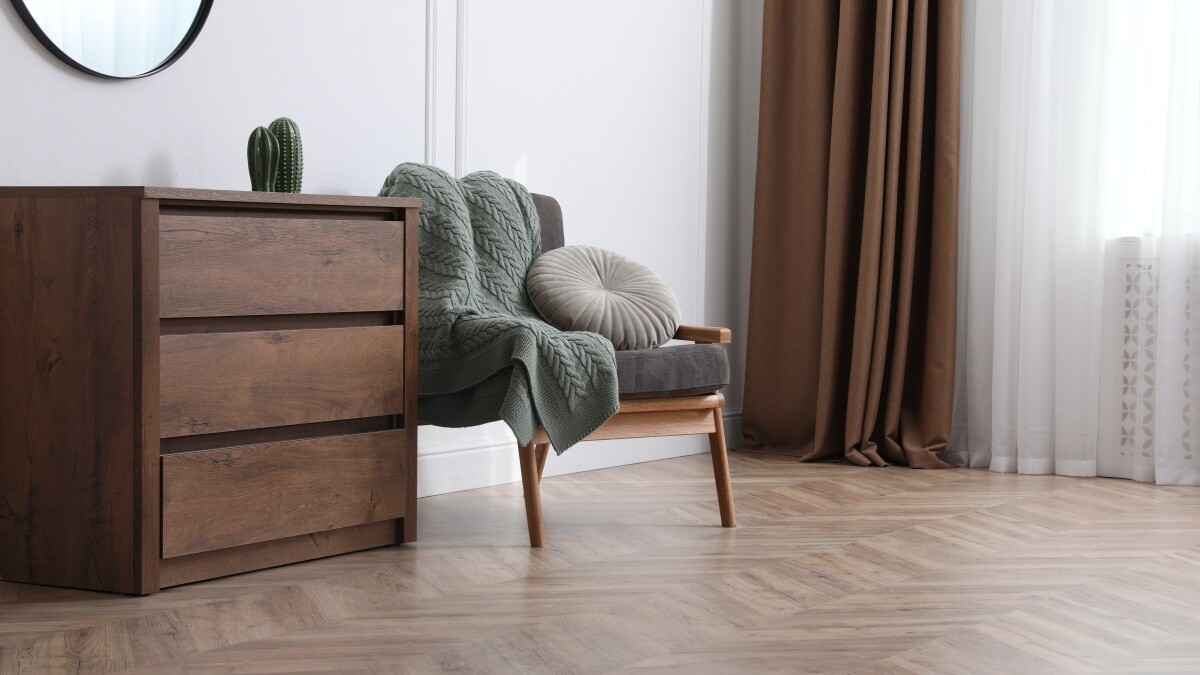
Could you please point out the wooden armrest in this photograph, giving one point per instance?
(704, 334)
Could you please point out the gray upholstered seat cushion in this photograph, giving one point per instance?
(585, 288)
(672, 371)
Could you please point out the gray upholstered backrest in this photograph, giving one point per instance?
(550, 213)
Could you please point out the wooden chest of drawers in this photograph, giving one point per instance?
(196, 383)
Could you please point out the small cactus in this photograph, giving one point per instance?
(262, 154)
(291, 155)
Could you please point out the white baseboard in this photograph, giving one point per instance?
(461, 459)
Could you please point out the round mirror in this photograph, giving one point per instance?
(115, 38)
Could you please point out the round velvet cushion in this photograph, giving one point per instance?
(589, 288)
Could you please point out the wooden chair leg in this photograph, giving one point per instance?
(543, 451)
(720, 460)
(533, 493)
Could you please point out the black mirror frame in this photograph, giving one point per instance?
(188, 39)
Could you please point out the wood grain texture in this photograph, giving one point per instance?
(82, 392)
(720, 460)
(710, 334)
(533, 499)
(651, 424)
(293, 432)
(647, 425)
(700, 402)
(147, 478)
(224, 497)
(233, 266)
(226, 198)
(241, 198)
(542, 451)
(832, 568)
(220, 382)
(262, 555)
(72, 478)
(412, 222)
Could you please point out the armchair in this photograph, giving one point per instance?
(668, 391)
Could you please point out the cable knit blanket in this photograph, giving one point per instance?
(485, 353)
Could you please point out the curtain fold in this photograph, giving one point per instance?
(851, 336)
(1080, 239)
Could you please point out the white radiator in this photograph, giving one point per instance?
(1146, 395)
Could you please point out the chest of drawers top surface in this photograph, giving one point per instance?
(204, 195)
(173, 351)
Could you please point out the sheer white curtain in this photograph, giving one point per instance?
(1079, 300)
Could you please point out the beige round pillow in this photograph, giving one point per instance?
(589, 288)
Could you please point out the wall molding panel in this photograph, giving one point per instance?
(461, 43)
(443, 81)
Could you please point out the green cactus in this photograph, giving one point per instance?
(291, 155)
(262, 153)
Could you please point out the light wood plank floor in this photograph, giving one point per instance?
(833, 569)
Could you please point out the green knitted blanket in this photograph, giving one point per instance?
(485, 354)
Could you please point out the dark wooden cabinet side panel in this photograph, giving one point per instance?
(68, 414)
(148, 510)
(408, 525)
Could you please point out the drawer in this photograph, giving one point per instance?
(214, 499)
(217, 382)
(231, 266)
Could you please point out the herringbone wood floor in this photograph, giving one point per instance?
(833, 569)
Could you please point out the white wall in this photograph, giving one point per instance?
(732, 136)
(355, 87)
(638, 116)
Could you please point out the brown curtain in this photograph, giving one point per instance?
(852, 299)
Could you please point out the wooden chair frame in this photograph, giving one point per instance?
(645, 418)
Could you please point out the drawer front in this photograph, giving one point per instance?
(216, 382)
(214, 499)
(230, 266)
